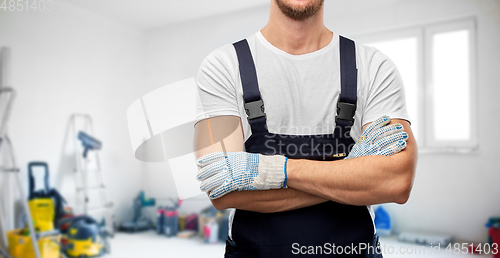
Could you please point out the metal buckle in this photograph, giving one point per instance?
(255, 109)
(339, 155)
(345, 111)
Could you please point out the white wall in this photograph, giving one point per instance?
(65, 61)
(174, 53)
(453, 193)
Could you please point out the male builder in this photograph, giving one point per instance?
(301, 130)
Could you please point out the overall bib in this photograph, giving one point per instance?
(328, 224)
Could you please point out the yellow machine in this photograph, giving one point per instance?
(85, 238)
(46, 205)
(87, 248)
(42, 213)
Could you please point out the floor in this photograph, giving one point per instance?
(148, 244)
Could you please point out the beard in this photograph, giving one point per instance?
(299, 14)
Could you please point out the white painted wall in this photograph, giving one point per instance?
(70, 60)
(65, 61)
(174, 53)
(453, 193)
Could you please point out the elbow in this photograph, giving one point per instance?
(220, 203)
(403, 177)
(403, 187)
(403, 196)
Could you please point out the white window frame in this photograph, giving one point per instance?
(424, 33)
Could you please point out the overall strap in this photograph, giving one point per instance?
(254, 106)
(346, 105)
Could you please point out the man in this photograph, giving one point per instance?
(277, 139)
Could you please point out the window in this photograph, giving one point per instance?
(404, 53)
(437, 63)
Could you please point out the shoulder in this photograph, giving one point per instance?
(369, 56)
(373, 63)
(222, 58)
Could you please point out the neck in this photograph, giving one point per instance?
(296, 37)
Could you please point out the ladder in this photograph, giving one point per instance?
(88, 165)
(6, 145)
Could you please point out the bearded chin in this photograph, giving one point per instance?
(301, 14)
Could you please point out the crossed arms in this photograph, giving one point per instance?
(359, 181)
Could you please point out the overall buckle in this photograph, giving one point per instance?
(345, 111)
(255, 109)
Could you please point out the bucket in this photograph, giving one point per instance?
(20, 245)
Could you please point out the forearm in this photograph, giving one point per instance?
(267, 201)
(360, 181)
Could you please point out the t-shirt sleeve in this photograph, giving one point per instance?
(216, 87)
(386, 94)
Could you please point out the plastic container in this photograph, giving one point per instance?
(495, 236)
(20, 245)
(182, 222)
(383, 222)
(211, 231)
(171, 223)
(493, 222)
(160, 221)
(192, 222)
(224, 228)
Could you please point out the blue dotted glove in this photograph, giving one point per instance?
(240, 171)
(380, 138)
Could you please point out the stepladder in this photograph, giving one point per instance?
(8, 167)
(91, 191)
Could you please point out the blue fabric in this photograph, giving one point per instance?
(250, 82)
(257, 234)
(348, 82)
(248, 73)
(348, 71)
(284, 183)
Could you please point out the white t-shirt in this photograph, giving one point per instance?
(300, 92)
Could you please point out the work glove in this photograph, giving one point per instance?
(222, 174)
(380, 138)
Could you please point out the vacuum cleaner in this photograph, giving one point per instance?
(139, 221)
(85, 237)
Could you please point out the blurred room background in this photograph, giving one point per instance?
(97, 57)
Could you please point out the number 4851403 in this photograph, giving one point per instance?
(26, 5)
(465, 248)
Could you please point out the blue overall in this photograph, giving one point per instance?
(274, 234)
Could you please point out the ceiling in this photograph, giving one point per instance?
(147, 14)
